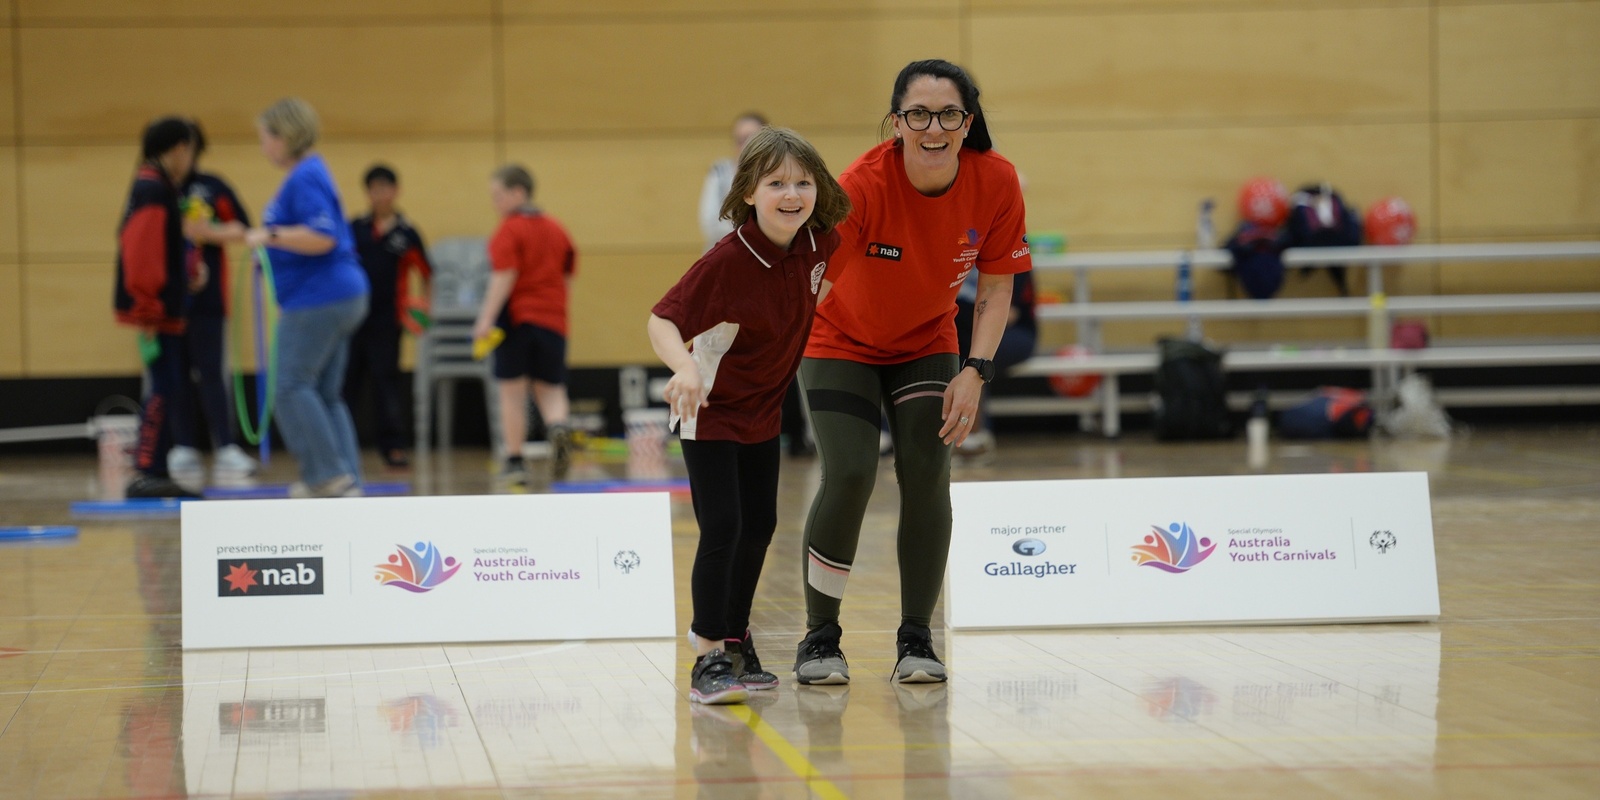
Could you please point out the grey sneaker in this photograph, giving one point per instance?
(916, 662)
(183, 464)
(747, 665)
(712, 682)
(819, 661)
(560, 452)
(338, 486)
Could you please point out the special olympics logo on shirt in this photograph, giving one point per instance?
(816, 275)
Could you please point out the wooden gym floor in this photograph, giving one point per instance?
(1501, 698)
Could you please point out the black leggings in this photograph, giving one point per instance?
(845, 398)
(736, 503)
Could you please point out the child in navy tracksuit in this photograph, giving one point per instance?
(152, 287)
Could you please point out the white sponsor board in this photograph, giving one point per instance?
(1246, 549)
(285, 573)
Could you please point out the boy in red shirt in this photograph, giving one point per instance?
(747, 304)
(533, 261)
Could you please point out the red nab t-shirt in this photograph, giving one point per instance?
(747, 306)
(903, 255)
(538, 248)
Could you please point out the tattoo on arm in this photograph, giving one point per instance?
(982, 305)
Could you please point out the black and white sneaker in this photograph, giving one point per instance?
(145, 486)
(712, 682)
(819, 661)
(916, 661)
(747, 665)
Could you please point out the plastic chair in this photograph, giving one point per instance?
(444, 352)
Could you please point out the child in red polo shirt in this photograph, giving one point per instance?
(533, 261)
(747, 304)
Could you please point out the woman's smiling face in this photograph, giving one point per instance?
(935, 150)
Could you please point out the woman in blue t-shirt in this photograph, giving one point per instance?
(322, 292)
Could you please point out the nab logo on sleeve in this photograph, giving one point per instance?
(257, 577)
(889, 251)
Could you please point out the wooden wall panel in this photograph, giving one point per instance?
(10, 320)
(1140, 189)
(610, 193)
(1521, 178)
(1171, 67)
(435, 80)
(443, 185)
(240, 11)
(1190, 6)
(74, 197)
(1520, 57)
(712, 9)
(649, 78)
(71, 329)
(611, 299)
(10, 248)
(8, 107)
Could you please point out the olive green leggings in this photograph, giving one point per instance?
(847, 399)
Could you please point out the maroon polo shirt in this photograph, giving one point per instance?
(747, 307)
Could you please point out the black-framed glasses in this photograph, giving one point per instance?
(918, 119)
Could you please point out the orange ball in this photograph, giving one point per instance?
(1391, 221)
(1264, 201)
(1080, 385)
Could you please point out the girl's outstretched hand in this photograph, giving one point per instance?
(685, 394)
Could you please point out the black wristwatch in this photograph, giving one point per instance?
(984, 366)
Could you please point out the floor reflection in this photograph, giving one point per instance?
(1213, 700)
(366, 719)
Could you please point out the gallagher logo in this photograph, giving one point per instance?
(889, 251)
(417, 569)
(1027, 547)
(1172, 550)
(256, 577)
(970, 239)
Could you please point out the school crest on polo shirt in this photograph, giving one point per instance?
(816, 275)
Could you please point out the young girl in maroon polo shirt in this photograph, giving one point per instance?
(747, 305)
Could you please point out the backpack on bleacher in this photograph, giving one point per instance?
(1191, 395)
(1319, 217)
(1257, 252)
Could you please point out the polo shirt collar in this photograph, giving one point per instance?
(763, 249)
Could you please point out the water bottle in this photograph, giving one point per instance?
(1185, 278)
(1205, 231)
(1256, 430)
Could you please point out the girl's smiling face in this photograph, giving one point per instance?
(783, 200)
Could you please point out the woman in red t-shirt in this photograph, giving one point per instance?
(928, 206)
(747, 304)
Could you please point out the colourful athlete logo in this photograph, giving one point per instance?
(970, 238)
(1173, 550)
(418, 569)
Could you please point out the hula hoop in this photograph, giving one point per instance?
(266, 358)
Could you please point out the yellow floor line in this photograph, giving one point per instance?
(788, 754)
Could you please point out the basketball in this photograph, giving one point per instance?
(1081, 385)
(1391, 221)
(1264, 201)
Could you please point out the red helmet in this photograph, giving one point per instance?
(1390, 221)
(1263, 201)
(1081, 385)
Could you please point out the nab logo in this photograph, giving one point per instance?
(257, 577)
(1028, 547)
(889, 251)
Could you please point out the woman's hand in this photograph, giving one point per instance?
(960, 412)
(685, 393)
(256, 237)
